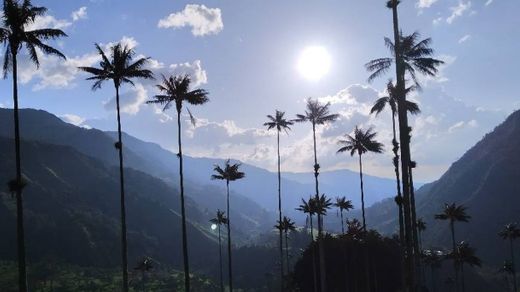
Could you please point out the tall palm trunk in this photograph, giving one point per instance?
(405, 149)
(314, 273)
(230, 266)
(183, 209)
(287, 253)
(124, 248)
(342, 227)
(454, 250)
(362, 194)
(280, 211)
(415, 233)
(395, 149)
(20, 230)
(220, 260)
(321, 256)
(513, 266)
(462, 277)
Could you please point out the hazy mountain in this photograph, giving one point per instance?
(72, 211)
(485, 180)
(38, 125)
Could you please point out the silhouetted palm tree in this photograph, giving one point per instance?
(288, 225)
(279, 123)
(219, 220)
(309, 207)
(433, 259)
(144, 266)
(511, 232)
(343, 204)
(507, 269)
(229, 173)
(391, 100)
(14, 34)
(421, 226)
(317, 114)
(409, 56)
(454, 213)
(120, 69)
(322, 205)
(464, 254)
(175, 90)
(361, 142)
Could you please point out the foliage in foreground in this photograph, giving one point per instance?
(63, 277)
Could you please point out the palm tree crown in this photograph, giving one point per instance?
(453, 213)
(308, 207)
(316, 113)
(343, 204)
(391, 101)
(322, 204)
(220, 219)
(361, 142)
(278, 122)
(230, 172)
(416, 56)
(510, 231)
(120, 68)
(17, 17)
(465, 254)
(176, 90)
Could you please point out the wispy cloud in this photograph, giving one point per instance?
(79, 14)
(464, 39)
(488, 2)
(458, 11)
(202, 20)
(425, 3)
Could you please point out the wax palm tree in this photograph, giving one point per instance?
(433, 259)
(228, 173)
(416, 57)
(144, 266)
(343, 204)
(14, 33)
(507, 270)
(421, 226)
(288, 225)
(454, 213)
(220, 220)
(309, 207)
(511, 232)
(317, 114)
(360, 143)
(410, 56)
(391, 101)
(322, 205)
(120, 69)
(175, 90)
(279, 123)
(464, 254)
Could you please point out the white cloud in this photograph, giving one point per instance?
(48, 21)
(79, 14)
(464, 39)
(488, 2)
(425, 3)
(458, 11)
(437, 21)
(194, 69)
(201, 19)
(72, 119)
(440, 77)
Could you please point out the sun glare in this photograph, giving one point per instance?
(314, 62)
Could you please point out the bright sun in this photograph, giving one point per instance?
(314, 62)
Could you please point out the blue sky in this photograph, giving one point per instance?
(245, 54)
